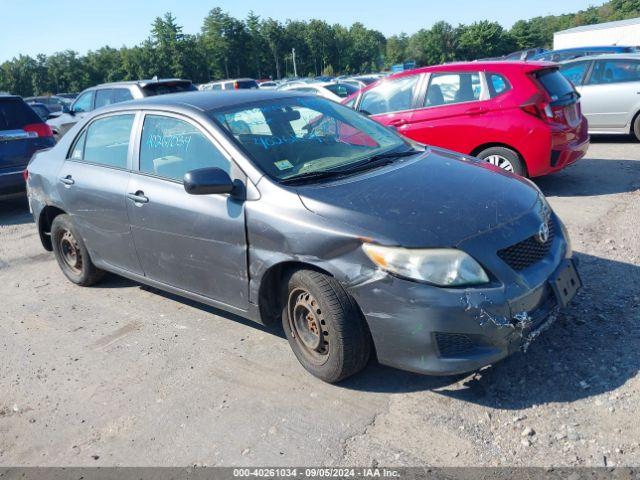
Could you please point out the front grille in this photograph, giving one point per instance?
(454, 344)
(527, 252)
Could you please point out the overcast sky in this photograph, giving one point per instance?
(42, 26)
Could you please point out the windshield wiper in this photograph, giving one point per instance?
(303, 177)
(374, 160)
(379, 160)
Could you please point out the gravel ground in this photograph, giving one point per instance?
(121, 374)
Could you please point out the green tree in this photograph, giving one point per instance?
(273, 33)
(397, 49)
(483, 39)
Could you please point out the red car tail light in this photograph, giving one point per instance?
(25, 174)
(39, 129)
(538, 107)
(236, 86)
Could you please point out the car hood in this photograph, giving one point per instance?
(436, 199)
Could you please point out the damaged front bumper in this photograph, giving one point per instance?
(437, 331)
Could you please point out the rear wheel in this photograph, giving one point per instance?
(324, 327)
(71, 254)
(504, 158)
(636, 127)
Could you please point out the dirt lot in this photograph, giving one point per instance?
(121, 374)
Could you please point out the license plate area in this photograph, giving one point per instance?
(565, 283)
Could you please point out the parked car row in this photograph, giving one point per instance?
(110, 93)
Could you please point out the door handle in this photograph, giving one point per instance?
(397, 122)
(68, 180)
(138, 197)
(476, 111)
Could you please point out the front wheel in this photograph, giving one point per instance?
(324, 327)
(503, 158)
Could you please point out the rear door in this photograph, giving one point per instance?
(92, 184)
(22, 133)
(391, 102)
(454, 102)
(195, 243)
(611, 94)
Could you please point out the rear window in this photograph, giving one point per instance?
(170, 87)
(247, 84)
(343, 90)
(15, 114)
(557, 86)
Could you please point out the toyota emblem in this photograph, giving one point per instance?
(543, 232)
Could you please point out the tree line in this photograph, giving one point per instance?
(229, 47)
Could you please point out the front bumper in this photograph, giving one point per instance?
(438, 331)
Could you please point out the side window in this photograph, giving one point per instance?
(497, 84)
(83, 103)
(450, 88)
(107, 141)
(390, 96)
(615, 71)
(103, 97)
(575, 72)
(216, 86)
(78, 148)
(171, 147)
(121, 95)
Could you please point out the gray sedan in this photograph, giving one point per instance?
(610, 90)
(286, 207)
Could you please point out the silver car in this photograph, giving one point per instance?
(610, 89)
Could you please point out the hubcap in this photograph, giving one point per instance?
(71, 251)
(308, 325)
(500, 161)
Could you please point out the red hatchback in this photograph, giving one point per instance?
(524, 117)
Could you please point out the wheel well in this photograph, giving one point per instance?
(273, 288)
(45, 220)
(480, 148)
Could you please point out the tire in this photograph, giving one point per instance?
(636, 127)
(504, 158)
(71, 253)
(341, 344)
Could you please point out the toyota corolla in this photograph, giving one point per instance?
(280, 206)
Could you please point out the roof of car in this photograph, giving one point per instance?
(245, 79)
(599, 48)
(141, 83)
(606, 56)
(202, 100)
(505, 65)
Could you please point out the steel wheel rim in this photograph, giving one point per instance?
(499, 161)
(307, 325)
(70, 252)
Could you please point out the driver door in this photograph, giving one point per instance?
(196, 243)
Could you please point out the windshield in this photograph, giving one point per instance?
(288, 137)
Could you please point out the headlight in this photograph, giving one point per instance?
(445, 267)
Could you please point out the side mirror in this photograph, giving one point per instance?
(67, 109)
(206, 181)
